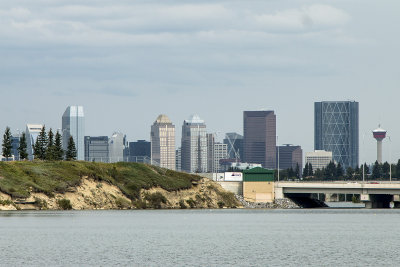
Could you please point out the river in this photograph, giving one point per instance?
(236, 237)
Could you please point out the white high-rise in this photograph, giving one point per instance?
(73, 124)
(32, 132)
(116, 146)
(194, 145)
(163, 143)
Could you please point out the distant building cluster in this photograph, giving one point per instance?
(336, 131)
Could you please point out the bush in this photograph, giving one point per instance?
(140, 204)
(155, 200)
(220, 204)
(64, 204)
(182, 204)
(191, 203)
(41, 203)
(122, 203)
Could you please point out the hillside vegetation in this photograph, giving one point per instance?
(135, 180)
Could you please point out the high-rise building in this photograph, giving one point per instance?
(32, 133)
(234, 141)
(194, 145)
(15, 141)
(289, 157)
(337, 129)
(96, 148)
(116, 146)
(178, 159)
(140, 151)
(216, 152)
(73, 124)
(259, 142)
(319, 159)
(163, 142)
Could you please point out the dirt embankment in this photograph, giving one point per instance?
(91, 194)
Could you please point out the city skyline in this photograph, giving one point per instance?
(216, 59)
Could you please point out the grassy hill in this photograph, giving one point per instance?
(21, 178)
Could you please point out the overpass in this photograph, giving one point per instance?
(373, 194)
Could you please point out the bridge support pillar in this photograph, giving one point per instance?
(278, 192)
(377, 201)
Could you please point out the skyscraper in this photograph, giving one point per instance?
(116, 146)
(194, 145)
(163, 142)
(216, 152)
(73, 124)
(139, 151)
(234, 142)
(96, 148)
(289, 157)
(336, 129)
(32, 132)
(259, 128)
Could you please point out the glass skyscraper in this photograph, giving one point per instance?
(337, 130)
(163, 142)
(73, 124)
(194, 145)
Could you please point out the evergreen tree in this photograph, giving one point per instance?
(297, 172)
(350, 173)
(398, 168)
(7, 143)
(290, 172)
(50, 152)
(377, 170)
(306, 170)
(23, 154)
(339, 171)
(58, 150)
(330, 170)
(310, 170)
(40, 147)
(386, 170)
(71, 149)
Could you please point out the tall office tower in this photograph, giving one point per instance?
(289, 157)
(32, 132)
(319, 159)
(235, 145)
(116, 146)
(15, 141)
(139, 151)
(178, 159)
(163, 142)
(194, 145)
(96, 148)
(215, 152)
(259, 141)
(336, 130)
(73, 124)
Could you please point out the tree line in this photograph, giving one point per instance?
(48, 146)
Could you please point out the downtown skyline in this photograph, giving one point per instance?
(280, 56)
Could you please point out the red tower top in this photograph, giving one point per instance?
(379, 134)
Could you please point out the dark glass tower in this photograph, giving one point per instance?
(259, 142)
(337, 130)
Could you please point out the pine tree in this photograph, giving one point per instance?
(386, 170)
(7, 143)
(58, 150)
(310, 169)
(23, 154)
(40, 147)
(339, 171)
(297, 171)
(50, 152)
(306, 170)
(71, 149)
(349, 173)
(377, 170)
(398, 168)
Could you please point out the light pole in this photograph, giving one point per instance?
(390, 160)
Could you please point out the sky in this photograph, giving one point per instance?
(127, 62)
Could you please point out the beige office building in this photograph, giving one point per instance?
(319, 159)
(163, 142)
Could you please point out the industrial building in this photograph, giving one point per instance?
(258, 185)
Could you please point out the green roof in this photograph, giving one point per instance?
(258, 175)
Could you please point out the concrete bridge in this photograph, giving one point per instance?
(373, 194)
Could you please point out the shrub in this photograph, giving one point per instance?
(191, 203)
(220, 204)
(182, 204)
(155, 200)
(140, 204)
(122, 203)
(64, 204)
(41, 203)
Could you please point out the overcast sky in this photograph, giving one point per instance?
(128, 61)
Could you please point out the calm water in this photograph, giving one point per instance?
(322, 237)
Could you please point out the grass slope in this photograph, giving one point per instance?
(20, 178)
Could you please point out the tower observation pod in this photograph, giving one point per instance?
(379, 135)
